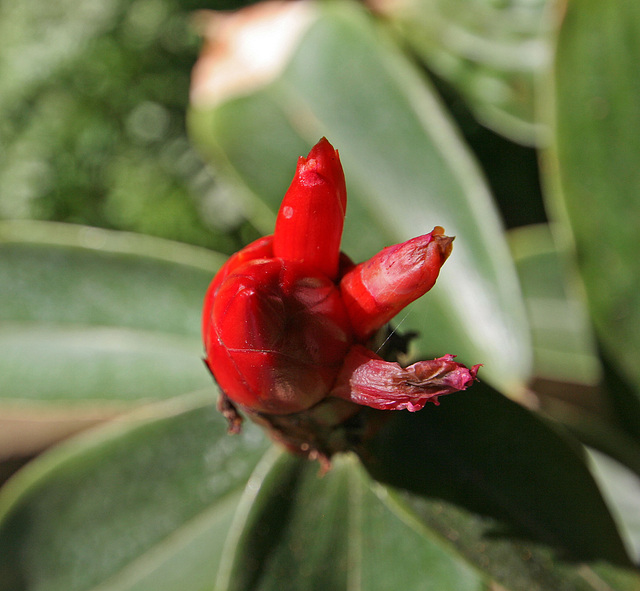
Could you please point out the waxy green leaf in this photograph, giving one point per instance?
(563, 340)
(621, 490)
(515, 491)
(128, 507)
(594, 175)
(568, 377)
(91, 323)
(339, 531)
(475, 492)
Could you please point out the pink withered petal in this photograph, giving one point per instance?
(369, 380)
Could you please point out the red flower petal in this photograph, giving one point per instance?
(376, 290)
(309, 224)
(262, 248)
(277, 337)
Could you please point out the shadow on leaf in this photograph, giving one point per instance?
(487, 455)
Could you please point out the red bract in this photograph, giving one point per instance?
(287, 319)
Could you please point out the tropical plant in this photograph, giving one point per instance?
(470, 114)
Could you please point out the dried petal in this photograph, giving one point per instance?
(378, 289)
(246, 49)
(309, 224)
(369, 380)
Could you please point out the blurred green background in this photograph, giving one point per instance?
(92, 120)
(92, 125)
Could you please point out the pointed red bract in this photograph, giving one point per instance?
(309, 223)
(376, 290)
(258, 249)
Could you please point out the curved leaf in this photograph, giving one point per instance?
(621, 490)
(563, 341)
(491, 52)
(335, 532)
(406, 171)
(595, 174)
(568, 376)
(511, 492)
(478, 492)
(124, 507)
(67, 274)
(494, 458)
(91, 322)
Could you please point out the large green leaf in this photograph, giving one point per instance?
(406, 171)
(74, 275)
(149, 507)
(339, 531)
(144, 507)
(91, 322)
(595, 173)
(568, 377)
(492, 52)
(481, 492)
(511, 487)
(563, 340)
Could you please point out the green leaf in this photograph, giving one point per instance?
(563, 340)
(142, 507)
(76, 275)
(406, 170)
(91, 323)
(568, 376)
(621, 489)
(474, 493)
(522, 481)
(302, 530)
(594, 174)
(492, 52)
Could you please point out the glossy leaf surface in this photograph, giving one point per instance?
(406, 172)
(92, 322)
(340, 531)
(520, 479)
(127, 508)
(568, 375)
(563, 339)
(481, 491)
(621, 489)
(596, 174)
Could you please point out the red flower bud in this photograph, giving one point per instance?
(278, 336)
(286, 320)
